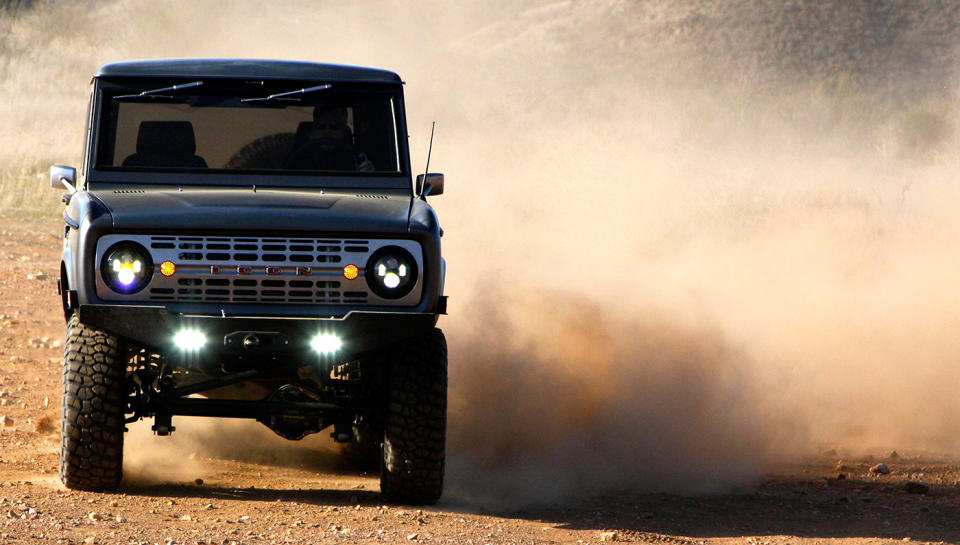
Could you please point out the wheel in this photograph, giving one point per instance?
(94, 403)
(415, 421)
(268, 152)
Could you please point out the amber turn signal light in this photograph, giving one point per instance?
(167, 268)
(351, 271)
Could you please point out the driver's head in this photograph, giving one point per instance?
(330, 124)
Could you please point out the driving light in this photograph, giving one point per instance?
(126, 267)
(351, 271)
(167, 268)
(391, 272)
(125, 275)
(326, 343)
(391, 280)
(189, 340)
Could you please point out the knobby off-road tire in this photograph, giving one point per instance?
(415, 421)
(94, 402)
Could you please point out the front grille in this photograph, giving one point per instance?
(245, 290)
(242, 269)
(256, 250)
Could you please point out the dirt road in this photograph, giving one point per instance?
(236, 483)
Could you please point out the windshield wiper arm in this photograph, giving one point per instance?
(156, 92)
(303, 91)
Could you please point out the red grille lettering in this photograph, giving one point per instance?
(242, 269)
(214, 269)
(273, 270)
(304, 271)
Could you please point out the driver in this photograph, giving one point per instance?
(328, 143)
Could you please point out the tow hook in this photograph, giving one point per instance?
(256, 340)
(251, 342)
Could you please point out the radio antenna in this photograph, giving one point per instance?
(426, 169)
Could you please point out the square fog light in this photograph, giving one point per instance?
(326, 343)
(189, 340)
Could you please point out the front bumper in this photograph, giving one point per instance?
(155, 327)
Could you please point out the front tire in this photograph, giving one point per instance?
(416, 421)
(94, 403)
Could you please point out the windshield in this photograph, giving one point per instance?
(294, 129)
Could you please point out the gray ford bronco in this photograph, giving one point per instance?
(245, 240)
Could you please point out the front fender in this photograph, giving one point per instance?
(84, 216)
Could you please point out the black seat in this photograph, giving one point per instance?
(165, 144)
(303, 132)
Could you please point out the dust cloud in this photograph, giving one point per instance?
(189, 453)
(686, 240)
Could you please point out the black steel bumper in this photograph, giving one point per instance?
(155, 327)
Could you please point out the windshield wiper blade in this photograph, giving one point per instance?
(276, 96)
(156, 92)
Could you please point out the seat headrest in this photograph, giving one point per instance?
(303, 129)
(172, 138)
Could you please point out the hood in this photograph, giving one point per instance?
(261, 210)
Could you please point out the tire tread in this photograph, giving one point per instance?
(94, 403)
(414, 448)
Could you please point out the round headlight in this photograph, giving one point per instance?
(126, 267)
(391, 272)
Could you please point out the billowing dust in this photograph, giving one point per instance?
(686, 240)
(184, 456)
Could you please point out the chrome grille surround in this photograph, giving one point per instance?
(242, 269)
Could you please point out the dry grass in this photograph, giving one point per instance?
(42, 97)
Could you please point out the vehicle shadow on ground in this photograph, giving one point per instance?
(827, 508)
(317, 496)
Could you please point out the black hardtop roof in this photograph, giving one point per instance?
(246, 68)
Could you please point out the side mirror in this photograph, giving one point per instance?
(62, 177)
(433, 185)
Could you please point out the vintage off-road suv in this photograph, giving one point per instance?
(246, 240)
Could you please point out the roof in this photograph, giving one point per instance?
(246, 68)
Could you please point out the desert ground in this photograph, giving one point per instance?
(702, 273)
(238, 484)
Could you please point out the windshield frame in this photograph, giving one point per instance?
(106, 89)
